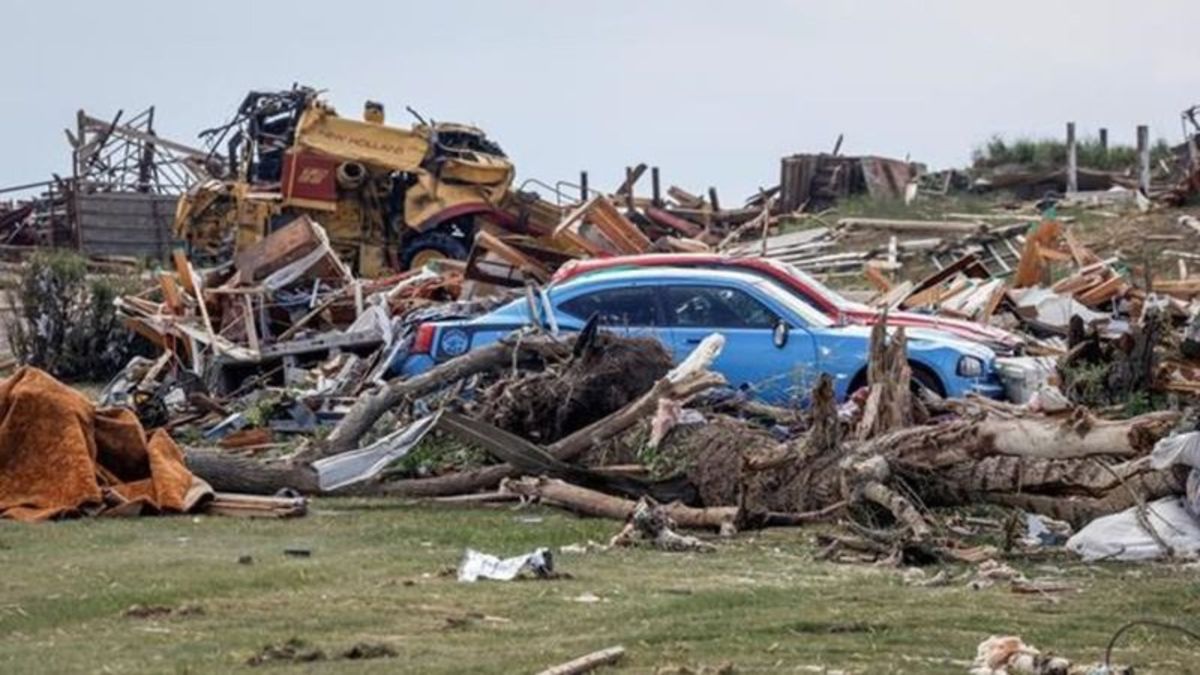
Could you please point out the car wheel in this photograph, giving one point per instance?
(923, 379)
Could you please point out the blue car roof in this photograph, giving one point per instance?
(684, 275)
(658, 273)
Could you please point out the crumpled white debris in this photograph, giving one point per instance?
(1009, 655)
(1121, 537)
(476, 565)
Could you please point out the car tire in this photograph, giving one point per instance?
(922, 378)
(435, 243)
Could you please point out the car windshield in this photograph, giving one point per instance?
(828, 294)
(806, 311)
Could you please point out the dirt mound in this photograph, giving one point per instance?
(547, 405)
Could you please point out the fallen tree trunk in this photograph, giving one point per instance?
(229, 473)
(593, 503)
(1081, 435)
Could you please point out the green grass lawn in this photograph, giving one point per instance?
(380, 572)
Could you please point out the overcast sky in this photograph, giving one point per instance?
(712, 92)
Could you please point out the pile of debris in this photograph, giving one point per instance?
(876, 465)
(279, 340)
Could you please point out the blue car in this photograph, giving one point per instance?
(775, 345)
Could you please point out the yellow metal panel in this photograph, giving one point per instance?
(425, 199)
(375, 144)
(479, 170)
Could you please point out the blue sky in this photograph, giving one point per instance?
(713, 92)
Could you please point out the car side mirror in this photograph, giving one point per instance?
(780, 335)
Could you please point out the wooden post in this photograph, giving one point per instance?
(655, 187)
(1104, 141)
(1143, 153)
(1072, 163)
(630, 178)
(712, 199)
(583, 188)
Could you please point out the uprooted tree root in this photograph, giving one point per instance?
(546, 405)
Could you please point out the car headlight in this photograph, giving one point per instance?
(969, 366)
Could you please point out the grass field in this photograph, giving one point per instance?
(381, 572)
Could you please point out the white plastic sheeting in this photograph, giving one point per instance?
(1121, 537)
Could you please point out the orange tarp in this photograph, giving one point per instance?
(60, 455)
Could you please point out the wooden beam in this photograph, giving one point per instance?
(171, 296)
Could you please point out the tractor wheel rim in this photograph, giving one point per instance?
(425, 257)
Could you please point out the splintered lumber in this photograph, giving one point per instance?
(669, 220)
(1082, 255)
(1103, 292)
(1183, 288)
(1032, 267)
(876, 278)
(924, 226)
(184, 269)
(895, 295)
(512, 256)
(619, 232)
(593, 503)
(171, 296)
(685, 198)
(929, 290)
(254, 506)
(588, 662)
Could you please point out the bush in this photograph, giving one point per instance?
(1048, 153)
(65, 322)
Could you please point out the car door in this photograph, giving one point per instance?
(752, 358)
(630, 311)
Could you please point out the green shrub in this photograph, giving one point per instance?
(1049, 153)
(65, 322)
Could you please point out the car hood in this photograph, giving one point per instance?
(922, 338)
(961, 328)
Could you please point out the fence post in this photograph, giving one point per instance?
(1072, 165)
(1143, 154)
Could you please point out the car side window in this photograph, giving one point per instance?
(615, 307)
(715, 307)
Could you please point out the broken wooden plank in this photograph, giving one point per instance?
(588, 662)
(928, 226)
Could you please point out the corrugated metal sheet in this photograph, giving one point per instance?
(126, 224)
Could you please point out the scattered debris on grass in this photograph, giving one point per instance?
(161, 611)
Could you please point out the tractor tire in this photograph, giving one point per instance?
(430, 246)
